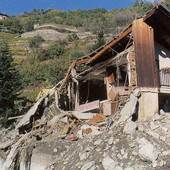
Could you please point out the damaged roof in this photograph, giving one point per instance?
(158, 18)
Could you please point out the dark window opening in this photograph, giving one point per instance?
(92, 90)
(164, 102)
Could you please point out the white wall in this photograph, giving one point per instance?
(163, 55)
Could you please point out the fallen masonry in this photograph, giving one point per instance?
(67, 141)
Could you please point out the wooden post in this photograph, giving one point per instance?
(56, 99)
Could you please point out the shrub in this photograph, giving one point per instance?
(36, 41)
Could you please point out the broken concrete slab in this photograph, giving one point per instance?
(129, 107)
(83, 116)
(129, 128)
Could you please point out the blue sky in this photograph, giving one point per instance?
(20, 6)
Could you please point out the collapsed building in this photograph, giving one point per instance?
(101, 82)
(137, 58)
(128, 78)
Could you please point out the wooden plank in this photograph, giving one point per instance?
(66, 129)
(68, 73)
(89, 106)
(144, 54)
(16, 117)
(110, 45)
(6, 144)
(107, 63)
(56, 99)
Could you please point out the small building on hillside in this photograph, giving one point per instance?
(138, 58)
(3, 16)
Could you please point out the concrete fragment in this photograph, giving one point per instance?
(83, 156)
(118, 168)
(154, 164)
(166, 152)
(129, 128)
(40, 160)
(2, 160)
(110, 142)
(148, 153)
(162, 138)
(129, 108)
(129, 168)
(153, 126)
(108, 163)
(98, 142)
(162, 112)
(87, 165)
(165, 129)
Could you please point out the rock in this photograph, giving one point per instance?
(87, 165)
(129, 168)
(108, 163)
(129, 128)
(161, 163)
(119, 156)
(88, 149)
(165, 129)
(154, 164)
(55, 150)
(162, 138)
(110, 142)
(166, 153)
(98, 142)
(156, 117)
(122, 151)
(2, 160)
(132, 145)
(154, 134)
(83, 156)
(117, 140)
(118, 168)
(125, 156)
(153, 126)
(80, 134)
(162, 112)
(148, 153)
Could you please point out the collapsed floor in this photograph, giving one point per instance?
(70, 140)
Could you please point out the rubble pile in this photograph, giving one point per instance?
(73, 140)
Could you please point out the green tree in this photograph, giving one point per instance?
(9, 84)
(100, 40)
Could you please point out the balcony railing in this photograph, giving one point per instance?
(164, 78)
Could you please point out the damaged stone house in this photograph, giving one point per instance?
(138, 58)
(3, 16)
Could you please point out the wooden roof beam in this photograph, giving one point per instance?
(110, 45)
